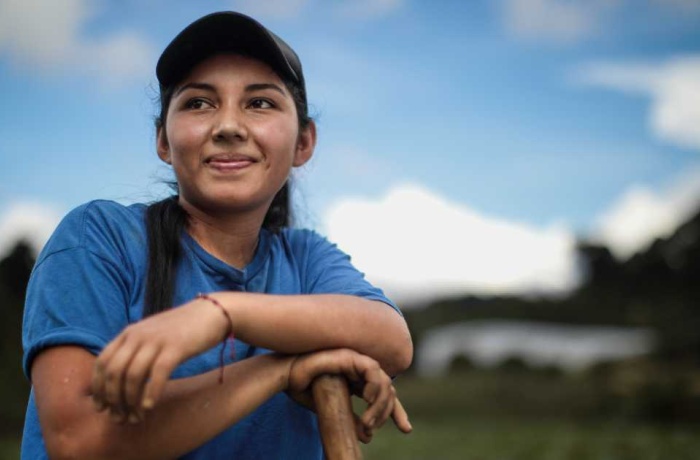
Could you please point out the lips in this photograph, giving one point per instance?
(230, 161)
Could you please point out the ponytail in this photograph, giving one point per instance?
(165, 221)
(279, 214)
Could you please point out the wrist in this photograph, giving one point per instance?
(227, 336)
(235, 305)
(221, 319)
(282, 365)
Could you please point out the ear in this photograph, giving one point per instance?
(162, 145)
(306, 143)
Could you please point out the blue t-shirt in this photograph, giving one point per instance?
(88, 285)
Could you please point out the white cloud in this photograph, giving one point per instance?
(673, 86)
(47, 35)
(417, 245)
(31, 222)
(641, 215)
(40, 32)
(557, 20)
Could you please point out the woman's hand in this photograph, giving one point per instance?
(131, 372)
(374, 385)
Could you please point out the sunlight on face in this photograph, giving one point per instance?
(232, 135)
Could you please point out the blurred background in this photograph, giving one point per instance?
(522, 176)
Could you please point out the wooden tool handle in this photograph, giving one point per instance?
(335, 418)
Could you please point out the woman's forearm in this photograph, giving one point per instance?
(303, 323)
(74, 429)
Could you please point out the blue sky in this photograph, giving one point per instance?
(517, 124)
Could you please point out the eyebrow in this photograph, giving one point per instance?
(249, 89)
(194, 85)
(262, 86)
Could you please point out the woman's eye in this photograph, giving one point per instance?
(260, 104)
(197, 103)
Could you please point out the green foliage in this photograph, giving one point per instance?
(9, 448)
(14, 388)
(461, 363)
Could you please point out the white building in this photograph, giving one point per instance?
(489, 343)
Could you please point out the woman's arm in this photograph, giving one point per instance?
(134, 368)
(73, 427)
(304, 323)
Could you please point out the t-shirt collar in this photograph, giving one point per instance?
(262, 252)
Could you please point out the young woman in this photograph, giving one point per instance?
(117, 372)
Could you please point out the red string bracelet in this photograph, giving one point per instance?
(229, 334)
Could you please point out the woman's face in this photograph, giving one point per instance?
(232, 135)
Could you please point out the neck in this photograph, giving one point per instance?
(232, 239)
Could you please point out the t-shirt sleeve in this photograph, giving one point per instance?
(330, 271)
(77, 293)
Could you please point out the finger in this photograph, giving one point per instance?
(363, 367)
(400, 417)
(376, 382)
(115, 372)
(136, 376)
(378, 395)
(388, 410)
(111, 348)
(374, 377)
(163, 366)
(363, 434)
(97, 387)
(99, 372)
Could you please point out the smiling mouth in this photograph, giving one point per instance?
(230, 162)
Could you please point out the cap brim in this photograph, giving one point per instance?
(225, 32)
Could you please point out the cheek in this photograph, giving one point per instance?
(185, 139)
(278, 137)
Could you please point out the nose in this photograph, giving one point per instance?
(229, 125)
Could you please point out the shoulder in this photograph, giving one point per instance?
(96, 212)
(313, 249)
(96, 226)
(301, 236)
(106, 211)
(326, 269)
(305, 242)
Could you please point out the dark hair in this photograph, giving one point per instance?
(166, 219)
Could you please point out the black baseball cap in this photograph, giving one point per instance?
(227, 31)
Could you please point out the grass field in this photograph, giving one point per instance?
(525, 416)
(483, 439)
(517, 416)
